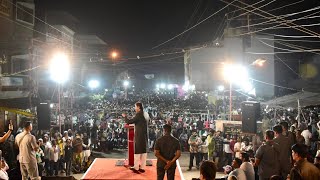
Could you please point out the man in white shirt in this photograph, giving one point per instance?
(27, 153)
(246, 166)
(307, 135)
(239, 173)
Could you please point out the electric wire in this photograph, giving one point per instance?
(193, 26)
(301, 29)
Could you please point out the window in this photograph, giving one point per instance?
(25, 13)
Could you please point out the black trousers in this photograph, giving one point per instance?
(203, 156)
(68, 167)
(170, 173)
(227, 159)
(54, 166)
(192, 156)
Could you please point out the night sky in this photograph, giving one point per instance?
(135, 26)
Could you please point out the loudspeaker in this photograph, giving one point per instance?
(43, 115)
(250, 116)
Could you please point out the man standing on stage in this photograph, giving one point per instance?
(140, 137)
(167, 150)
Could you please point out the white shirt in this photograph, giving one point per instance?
(3, 173)
(239, 173)
(248, 170)
(226, 147)
(307, 135)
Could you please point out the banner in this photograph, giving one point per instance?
(149, 76)
(17, 111)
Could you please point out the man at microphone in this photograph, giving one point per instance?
(141, 138)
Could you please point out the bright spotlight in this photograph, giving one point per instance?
(221, 88)
(157, 86)
(51, 105)
(59, 68)
(126, 83)
(170, 86)
(114, 54)
(93, 84)
(162, 86)
(235, 73)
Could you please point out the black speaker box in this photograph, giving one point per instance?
(43, 115)
(250, 116)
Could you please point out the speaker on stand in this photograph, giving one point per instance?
(250, 115)
(43, 115)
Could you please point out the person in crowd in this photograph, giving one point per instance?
(284, 156)
(211, 145)
(7, 134)
(68, 154)
(238, 146)
(77, 146)
(183, 140)
(3, 170)
(208, 170)
(203, 152)
(141, 138)
(40, 157)
(219, 149)
(233, 141)
(227, 151)
(194, 143)
(266, 157)
(307, 134)
(27, 153)
(152, 138)
(226, 170)
(167, 150)
(302, 168)
(299, 137)
(47, 147)
(237, 171)
(54, 158)
(61, 144)
(285, 132)
(246, 166)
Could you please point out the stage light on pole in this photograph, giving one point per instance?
(114, 54)
(126, 83)
(59, 68)
(93, 84)
(221, 88)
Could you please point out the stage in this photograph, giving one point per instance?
(105, 168)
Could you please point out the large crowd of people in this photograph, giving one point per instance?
(287, 144)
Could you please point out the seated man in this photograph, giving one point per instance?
(208, 170)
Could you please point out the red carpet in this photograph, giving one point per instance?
(103, 168)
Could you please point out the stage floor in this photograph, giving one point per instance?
(105, 168)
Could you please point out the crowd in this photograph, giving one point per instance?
(288, 150)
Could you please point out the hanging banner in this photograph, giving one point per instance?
(17, 111)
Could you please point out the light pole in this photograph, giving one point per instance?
(234, 74)
(59, 69)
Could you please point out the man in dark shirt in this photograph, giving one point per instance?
(68, 154)
(167, 150)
